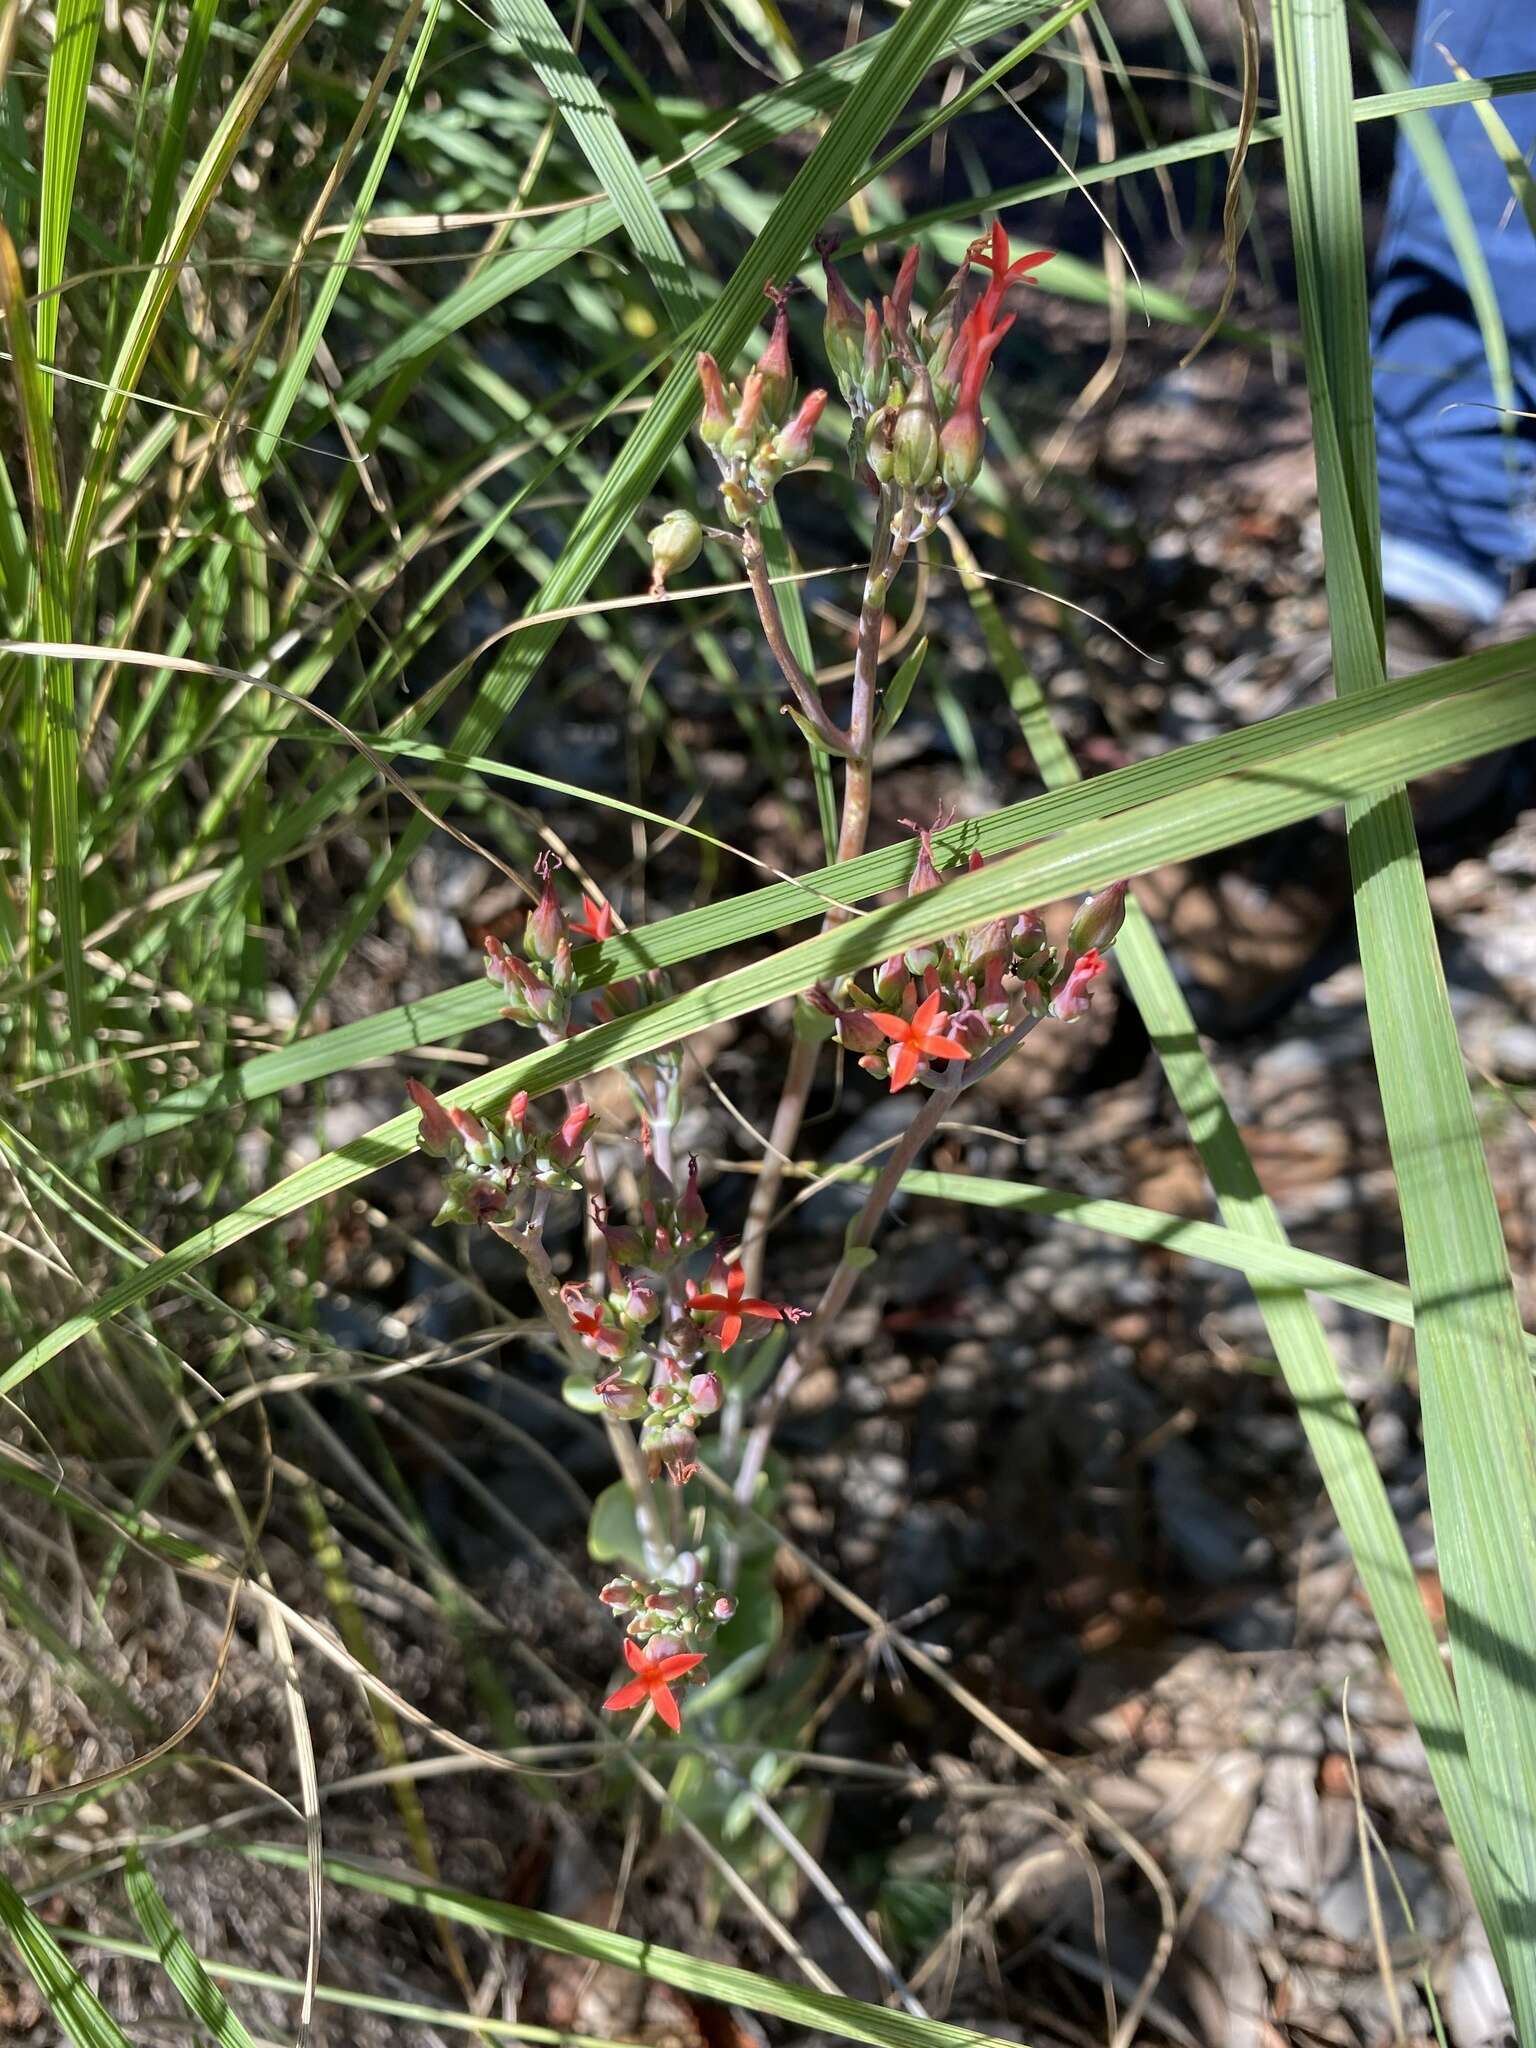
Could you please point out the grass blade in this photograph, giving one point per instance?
(160, 285)
(204, 2001)
(1344, 1458)
(534, 31)
(850, 2019)
(1478, 1401)
(69, 80)
(81, 2015)
(1258, 752)
(56, 827)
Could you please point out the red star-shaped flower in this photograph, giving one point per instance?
(915, 1039)
(652, 1681)
(731, 1306)
(991, 251)
(595, 922)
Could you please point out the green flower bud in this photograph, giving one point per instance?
(675, 543)
(1098, 920)
(915, 438)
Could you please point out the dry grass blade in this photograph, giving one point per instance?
(1232, 205)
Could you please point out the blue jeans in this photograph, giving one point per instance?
(1458, 487)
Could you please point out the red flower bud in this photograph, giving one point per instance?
(705, 1392)
(745, 428)
(773, 365)
(1072, 999)
(545, 927)
(793, 445)
(898, 307)
(715, 419)
(842, 331)
(891, 981)
(437, 1133)
(876, 368)
(692, 1220)
(477, 1140)
(565, 1146)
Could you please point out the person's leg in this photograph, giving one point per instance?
(1458, 490)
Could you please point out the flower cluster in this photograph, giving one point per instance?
(661, 1337)
(949, 1001)
(656, 1335)
(678, 1612)
(666, 1623)
(540, 984)
(750, 429)
(496, 1174)
(913, 381)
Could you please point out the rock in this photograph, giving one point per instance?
(1472, 1998)
(1214, 1542)
(1227, 1990)
(1514, 1052)
(1343, 1907)
(1284, 1839)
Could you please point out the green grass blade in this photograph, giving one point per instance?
(1258, 753)
(534, 31)
(201, 16)
(56, 813)
(160, 285)
(197, 1991)
(1275, 1262)
(1478, 1401)
(73, 2004)
(358, 2001)
(1384, 106)
(69, 79)
(823, 2012)
(1509, 153)
(297, 362)
(1338, 1444)
(1232, 808)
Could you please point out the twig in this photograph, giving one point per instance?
(806, 695)
(860, 1237)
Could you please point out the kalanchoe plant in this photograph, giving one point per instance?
(934, 1007)
(655, 1345)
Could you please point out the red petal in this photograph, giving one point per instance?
(730, 1330)
(634, 1656)
(714, 1304)
(765, 1309)
(674, 1666)
(943, 1048)
(666, 1706)
(735, 1280)
(626, 1697)
(926, 1012)
(893, 1027)
(1033, 261)
(904, 1066)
